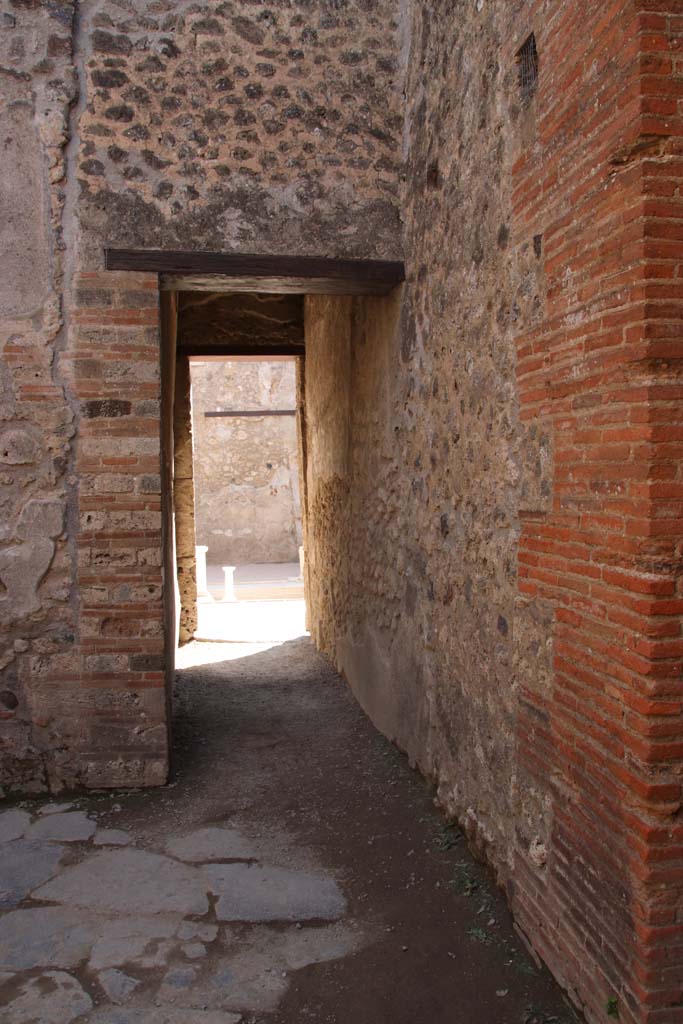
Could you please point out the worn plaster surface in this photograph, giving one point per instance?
(38, 86)
(251, 892)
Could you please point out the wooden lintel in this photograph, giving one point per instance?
(248, 272)
(272, 285)
(246, 414)
(210, 357)
(228, 351)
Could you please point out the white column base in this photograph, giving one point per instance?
(200, 562)
(229, 589)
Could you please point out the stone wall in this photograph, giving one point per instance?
(191, 125)
(37, 414)
(494, 504)
(423, 458)
(234, 126)
(247, 506)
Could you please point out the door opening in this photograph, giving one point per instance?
(238, 488)
(247, 504)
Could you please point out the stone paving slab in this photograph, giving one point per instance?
(298, 947)
(111, 837)
(257, 893)
(117, 986)
(246, 982)
(211, 844)
(181, 978)
(51, 998)
(135, 939)
(25, 864)
(162, 1015)
(255, 969)
(198, 930)
(70, 827)
(13, 824)
(129, 882)
(46, 937)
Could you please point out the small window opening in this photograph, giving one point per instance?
(527, 64)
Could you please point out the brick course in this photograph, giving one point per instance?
(119, 528)
(601, 185)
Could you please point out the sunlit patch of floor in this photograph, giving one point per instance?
(199, 652)
(251, 621)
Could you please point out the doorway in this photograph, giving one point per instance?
(247, 498)
(264, 296)
(238, 489)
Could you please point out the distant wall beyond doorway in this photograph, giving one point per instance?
(246, 481)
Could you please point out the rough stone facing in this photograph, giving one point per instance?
(238, 127)
(494, 498)
(37, 89)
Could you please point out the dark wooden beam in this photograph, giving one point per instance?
(228, 351)
(209, 320)
(247, 413)
(252, 272)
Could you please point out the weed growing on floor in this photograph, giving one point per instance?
(517, 960)
(534, 1016)
(448, 836)
(465, 881)
(481, 935)
(612, 1007)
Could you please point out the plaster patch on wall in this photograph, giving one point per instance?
(23, 565)
(24, 282)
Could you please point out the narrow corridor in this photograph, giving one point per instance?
(294, 870)
(274, 742)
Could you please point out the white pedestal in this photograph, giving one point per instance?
(200, 562)
(229, 590)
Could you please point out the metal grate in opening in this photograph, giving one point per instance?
(527, 65)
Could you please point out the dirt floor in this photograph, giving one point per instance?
(295, 870)
(276, 739)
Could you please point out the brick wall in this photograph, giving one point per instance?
(115, 675)
(598, 186)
